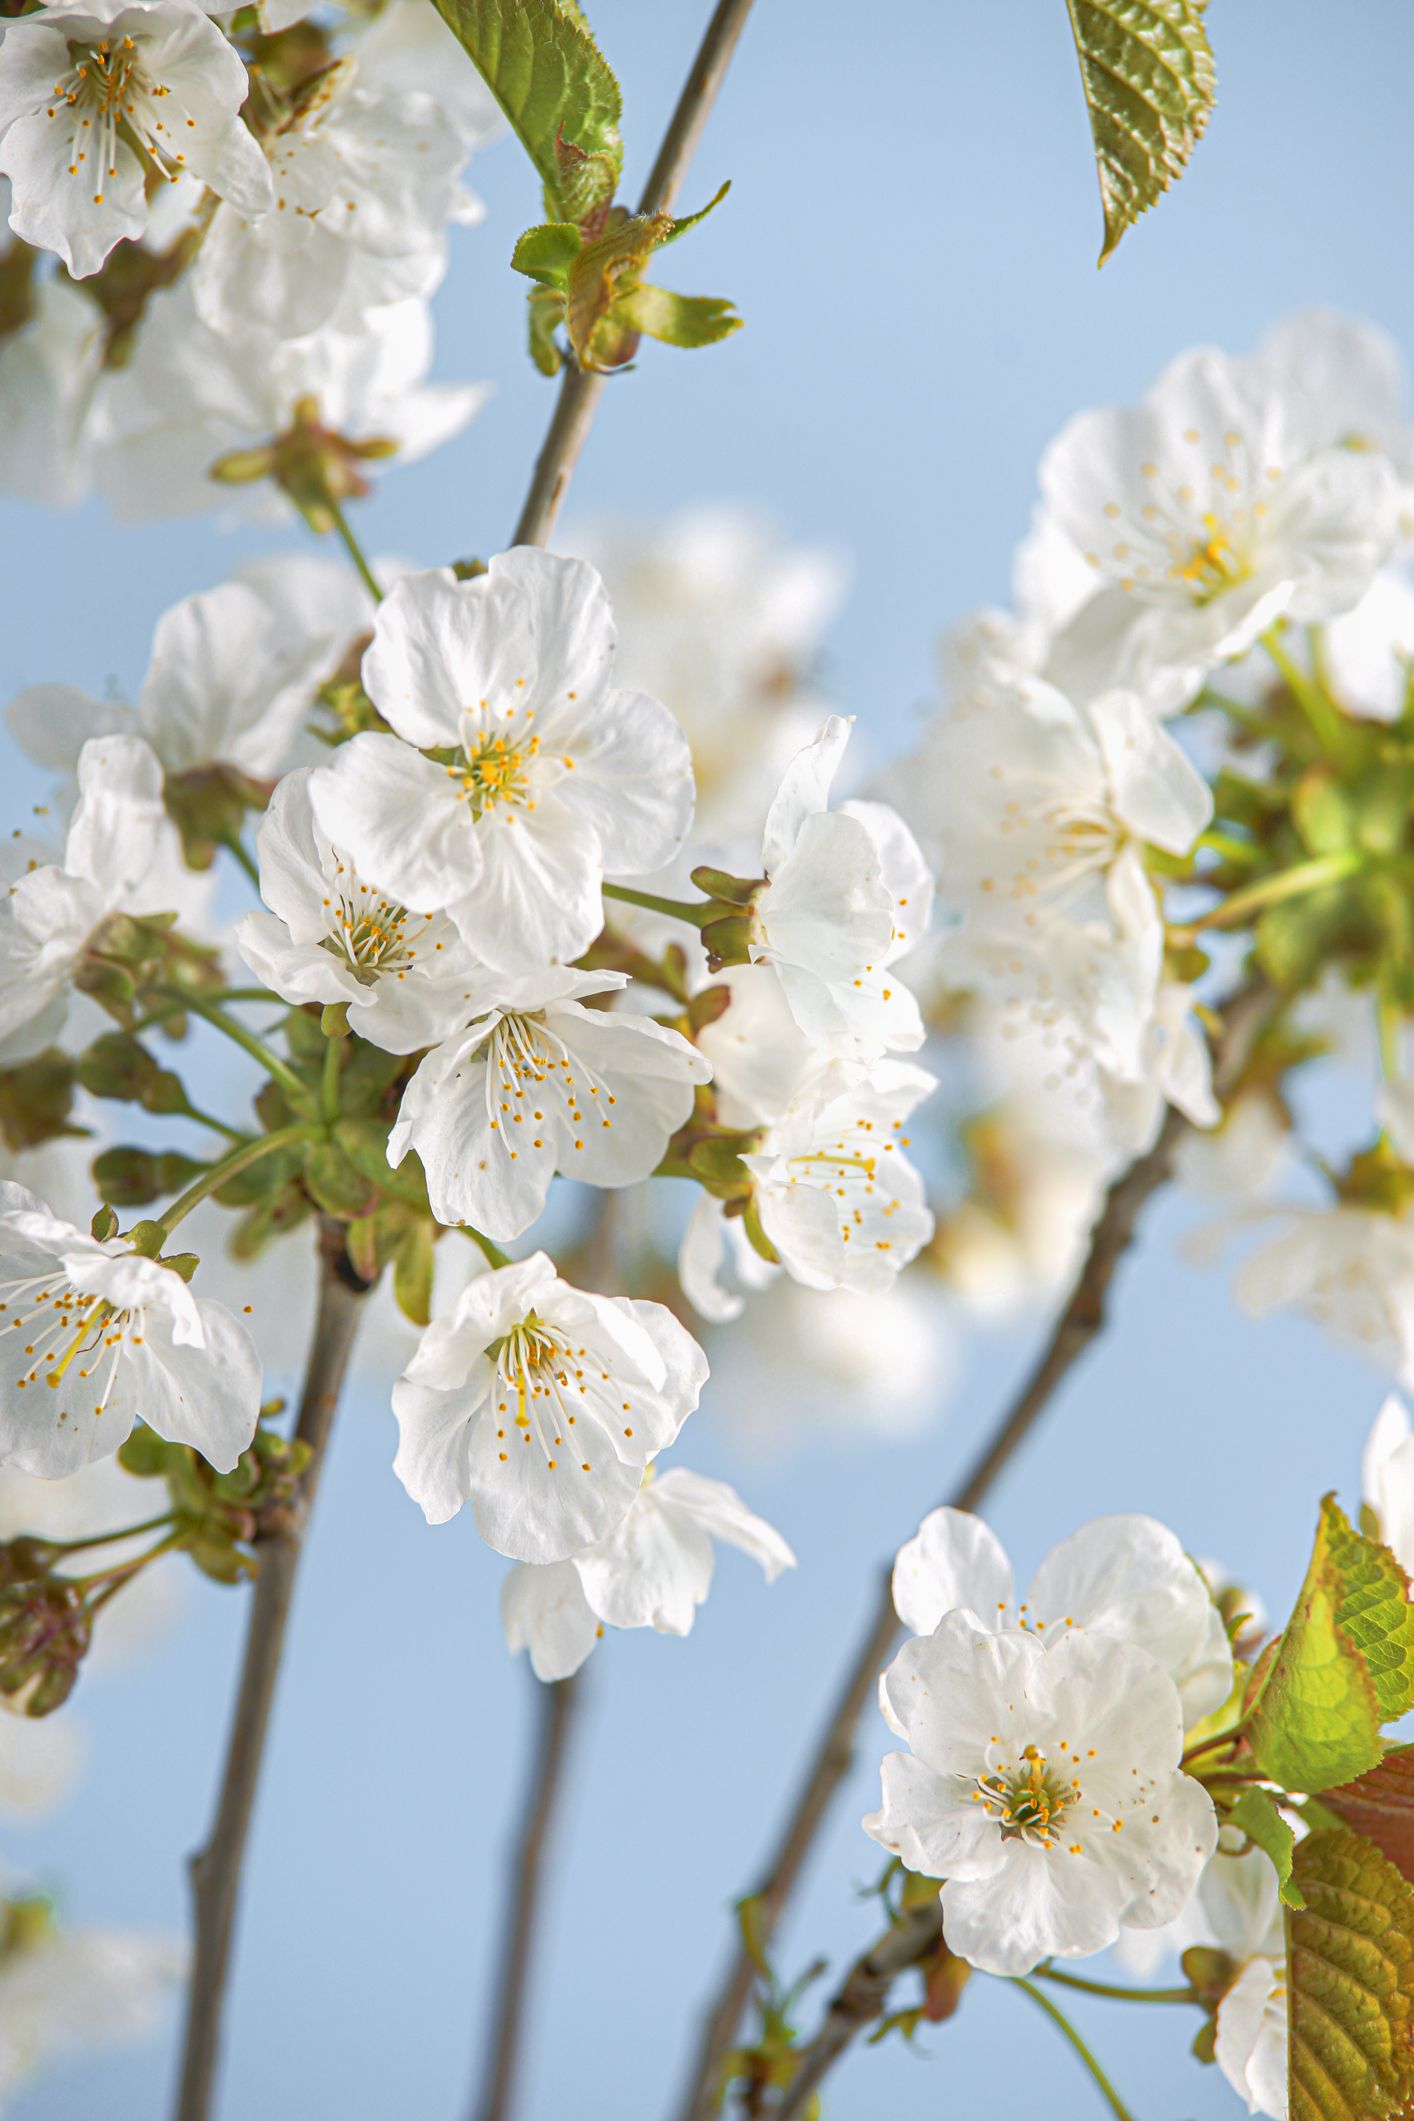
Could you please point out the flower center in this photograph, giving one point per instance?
(1212, 563)
(534, 1081)
(108, 91)
(545, 1384)
(1028, 1801)
(496, 770)
(58, 1325)
(375, 936)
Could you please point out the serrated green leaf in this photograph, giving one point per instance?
(546, 253)
(1380, 1805)
(1147, 70)
(1313, 1712)
(676, 320)
(1375, 1612)
(1350, 1976)
(542, 65)
(1258, 1818)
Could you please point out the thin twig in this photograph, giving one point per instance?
(216, 1868)
(1079, 1324)
(581, 390)
(557, 1714)
(860, 1999)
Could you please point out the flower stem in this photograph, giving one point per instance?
(676, 909)
(280, 1070)
(241, 1159)
(108, 1539)
(1058, 2018)
(1116, 1989)
(1390, 1018)
(1327, 724)
(491, 1253)
(122, 1572)
(235, 845)
(352, 547)
(1210, 1745)
(1294, 882)
(329, 1081)
(1229, 847)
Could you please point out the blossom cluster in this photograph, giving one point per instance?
(533, 919)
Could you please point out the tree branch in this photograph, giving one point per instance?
(581, 391)
(1078, 1325)
(862, 1997)
(216, 1868)
(558, 1702)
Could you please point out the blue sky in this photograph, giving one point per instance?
(911, 237)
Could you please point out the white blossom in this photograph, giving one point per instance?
(50, 371)
(718, 1266)
(1347, 376)
(1124, 1578)
(1238, 1904)
(847, 893)
(541, 1404)
(1349, 1270)
(1387, 1479)
(331, 936)
(52, 913)
(1043, 1786)
(96, 95)
(538, 1083)
(760, 1056)
(556, 775)
(407, 45)
(723, 623)
(189, 396)
(1207, 513)
(837, 1367)
(223, 689)
(1033, 802)
(64, 1990)
(836, 1196)
(364, 180)
(653, 1570)
(93, 1335)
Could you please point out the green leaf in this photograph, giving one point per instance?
(542, 65)
(1380, 1805)
(546, 253)
(544, 310)
(1375, 1612)
(1259, 1819)
(678, 320)
(1350, 1975)
(1313, 1712)
(1147, 71)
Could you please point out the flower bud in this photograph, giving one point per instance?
(45, 1631)
(36, 1097)
(728, 941)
